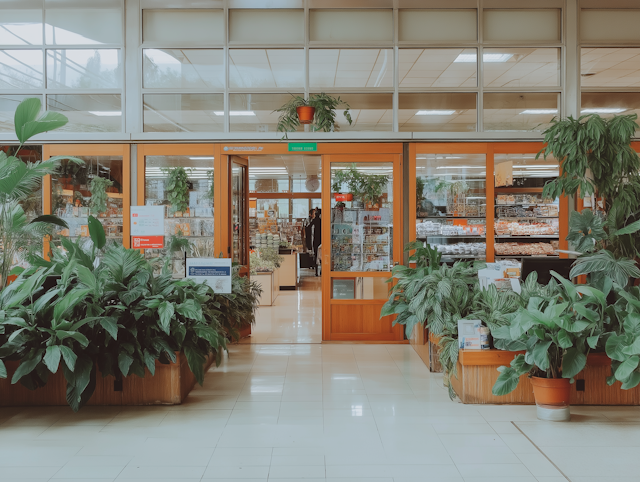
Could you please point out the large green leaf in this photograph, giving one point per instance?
(615, 347)
(573, 362)
(52, 358)
(3, 370)
(632, 382)
(51, 219)
(564, 340)
(27, 125)
(69, 357)
(629, 229)
(540, 355)
(96, 231)
(27, 365)
(627, 367)
(190, 309)
(506, 383)
(166, 312)
(124, 363)
(195, 359)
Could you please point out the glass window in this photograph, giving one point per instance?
(362, 220)
(183, 112)
(521, 67)
(359, 288)
(21, 26)
(519, 111)
(525, 223)
(609, 104)
(369, 112)
(610, 67)
(183, 68)
(94, 188)
(20, 69)
(188, 228)
(420, 68)
(266, 68)
(451, 204)
(521, 25)
(8, 105)
(84, 69)
(358, 25)
(255, 112)
(88, 113)
(183, 27)
(264, 26)
(350, 68)
(609, 25)
(75, 24)
(437, 25)
(442, 112)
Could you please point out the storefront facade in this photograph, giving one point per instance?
(447, 88)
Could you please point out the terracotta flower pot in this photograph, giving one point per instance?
(305, 114)
(343, 197)
(552, 398)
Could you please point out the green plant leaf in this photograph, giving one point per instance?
(110, 325)
(27, 365)
(51, 219)
(615, 346)
(69, 357)
(27, 125)
(166, 312)
(196, 360)
(627, 367)
(189, 309)
(96, 231)
(124, 363)
(506, 383)
(573, 362)
(632, 381)
(52, 358)
(564, 340)
(3, 370)
(592, 341)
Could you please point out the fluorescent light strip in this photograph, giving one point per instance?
(603, 110)
(106, 113)
(460, 167)
(201, 158)
(235, 112)
(436, 112)
(539, 111)
(467, 58)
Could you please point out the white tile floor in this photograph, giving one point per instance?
(311, 412)
(319, 413)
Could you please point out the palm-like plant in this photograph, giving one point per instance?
(18, 180)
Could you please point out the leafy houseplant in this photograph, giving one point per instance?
(324, 118)
(597, 159)
(98, 187)
(557, 332)
(368, 188)
(177, 189)
(18, 180)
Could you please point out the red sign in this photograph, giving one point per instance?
(343, 197)
(153, 242)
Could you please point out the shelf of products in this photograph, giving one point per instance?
(510, 249)
(364, 244)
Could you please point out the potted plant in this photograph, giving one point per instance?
(98, 187)
(318, 111)
(177, 189)
(366, 189)
(556, 331)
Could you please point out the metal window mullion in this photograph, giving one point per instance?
(480, 67)
(396, 75)
(226, 62)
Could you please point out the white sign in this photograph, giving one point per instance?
(216, 272)
(147, 220)
(469, 334)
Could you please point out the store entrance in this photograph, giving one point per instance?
(285, 232)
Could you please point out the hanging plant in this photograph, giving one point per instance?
(208, 195)
(368, 188)
(98, 188)
(177, 189)
(319, 111)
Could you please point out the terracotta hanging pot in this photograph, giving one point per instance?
(306, 114)
(552, 398)
(343, 197)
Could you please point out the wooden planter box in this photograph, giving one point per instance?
(169, 386)
(426, 346)
(478, 371)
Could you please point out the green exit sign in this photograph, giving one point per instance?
(303, 147)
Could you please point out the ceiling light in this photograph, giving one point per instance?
(201, 158)
(485, 57)
(435, 112)
(106, 113)
(235, 112)
(603, 110)
(539, 111)
(460, 167)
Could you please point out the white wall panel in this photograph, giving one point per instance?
(364, 25)
(273, 26)
(437, 25)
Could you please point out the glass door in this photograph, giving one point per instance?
(239, 202)
(361, 243)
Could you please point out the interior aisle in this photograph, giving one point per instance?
(295, 317)
(322, 413)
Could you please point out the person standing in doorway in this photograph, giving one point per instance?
(307, 232)
(317, 235)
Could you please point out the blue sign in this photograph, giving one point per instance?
(209, 271)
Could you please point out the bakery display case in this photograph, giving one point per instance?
(525, 223)
(451, 204)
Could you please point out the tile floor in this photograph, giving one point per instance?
(331, 413)
(295, 317)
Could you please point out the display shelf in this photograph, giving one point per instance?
(451, 217)
(529, 236)
(515, 256)
(452, 236)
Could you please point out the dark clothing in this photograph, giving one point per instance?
(308, 234)
(317, 233)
